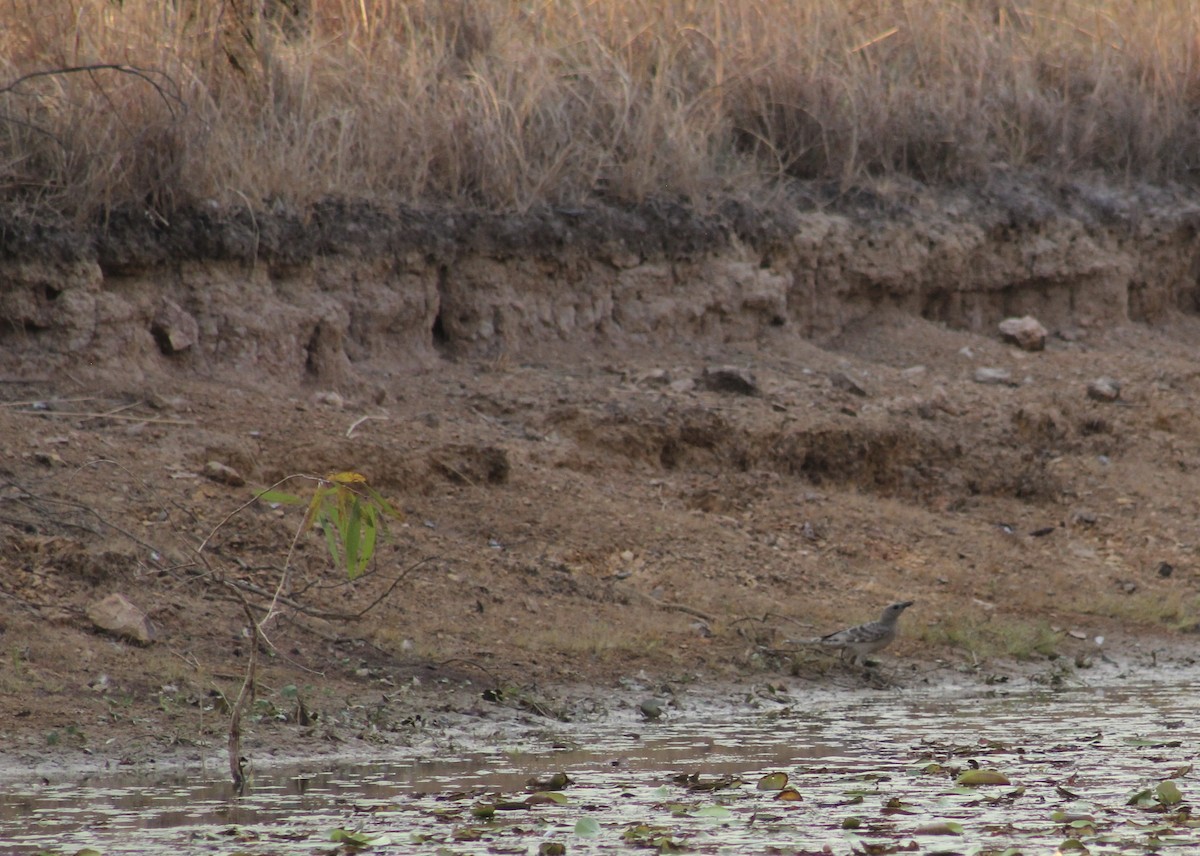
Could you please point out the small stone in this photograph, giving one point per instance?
(224, 474)
(1026, 333)
(116, 615)
(655, 377)
(651, 708)
(1165, 569)
(845, 383)
(1104, 389)
(729, 379)
(1084, 517)
(173, 329)
(329, 398)
(993, 376)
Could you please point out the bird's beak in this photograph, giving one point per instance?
(905, 603)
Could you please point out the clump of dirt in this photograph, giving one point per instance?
(576, 510)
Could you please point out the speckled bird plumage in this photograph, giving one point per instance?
(867, 638)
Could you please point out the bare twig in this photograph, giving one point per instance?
(237, 764)
(65, 414)
(360, 420)
(172, 99)
(668, 605)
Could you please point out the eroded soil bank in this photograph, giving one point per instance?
(633, 449)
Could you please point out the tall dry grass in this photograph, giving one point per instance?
(507, 104)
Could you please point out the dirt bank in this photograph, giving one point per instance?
(640, 446)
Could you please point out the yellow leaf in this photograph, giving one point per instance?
(348, 477)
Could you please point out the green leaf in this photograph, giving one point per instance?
(714, 812)
(587, 827)
(1142, 798)
(543, 797)
(982, 777)
(943, 827)
(279, 497)
(1168, 793)
(773, 782)
(351, 839)
(351, 528)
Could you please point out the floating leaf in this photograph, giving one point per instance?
(544, 797)
(895, 805)
(1143, 798)
(789, 795)
(556, 782)
(483, 810)
(851, 822)
(587, 827)
(982, 777)
(773, 782)
(713, 812)
(510, 805)
(350, 839)
(1072, 845)
(1168, 793)
(942, 827)
(1068, 817)
(552, 848)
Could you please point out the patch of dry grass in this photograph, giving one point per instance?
(508, 105)
(987, 637)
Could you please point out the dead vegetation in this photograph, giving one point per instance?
(263, 104)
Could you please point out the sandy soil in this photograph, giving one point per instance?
(605, 519)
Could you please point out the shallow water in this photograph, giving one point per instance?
(1081, 752)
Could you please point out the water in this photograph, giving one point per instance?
(873, 770)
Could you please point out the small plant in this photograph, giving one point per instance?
(351, 514)
(353, 517)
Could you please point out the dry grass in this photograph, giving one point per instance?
(509, 105)
(983, 639)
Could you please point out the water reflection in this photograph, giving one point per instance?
(847, 754)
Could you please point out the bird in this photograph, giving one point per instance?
(868, 638)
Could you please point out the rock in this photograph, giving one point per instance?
(173, 329)
(1165, 569)
(993, 376)
(729, 379)
(1025, 333)
(116, 615)
(845, 383)
(329, 398)
(1104, 389)
(651, 708)
(1084, 517)
(655, 377)
(224, 474)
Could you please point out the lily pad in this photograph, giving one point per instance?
(982, 777)
(773, 782)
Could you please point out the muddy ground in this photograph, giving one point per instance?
(591, 520)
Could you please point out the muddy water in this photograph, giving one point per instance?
(872, 769)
